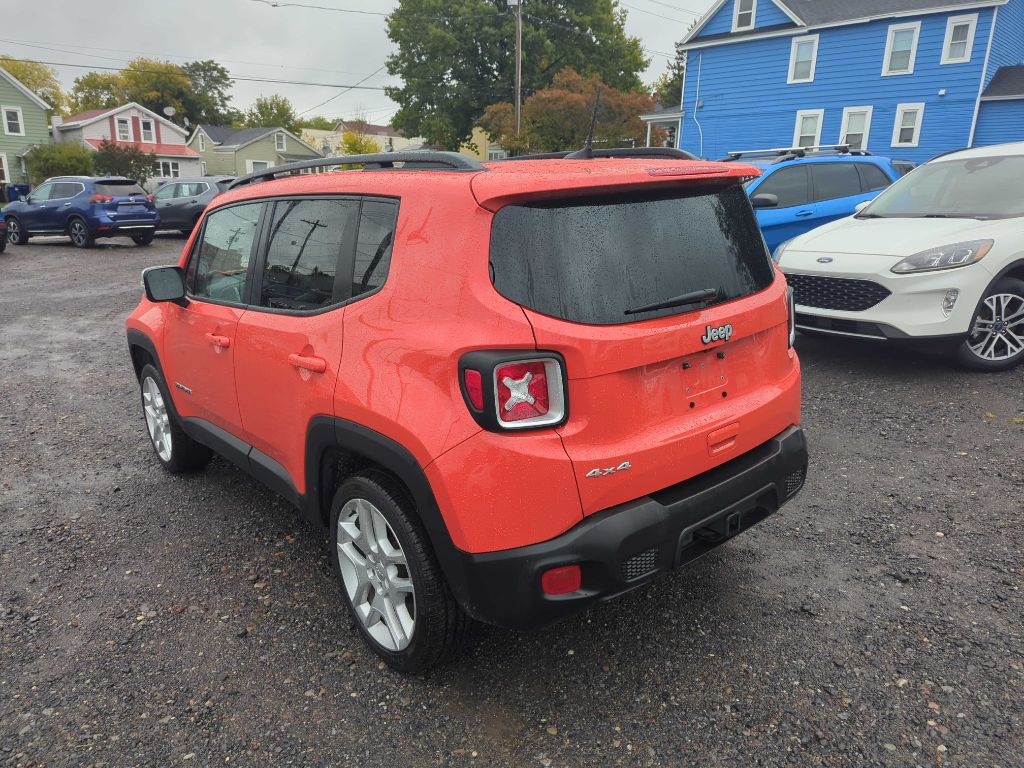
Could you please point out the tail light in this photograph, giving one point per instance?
(512, 391)
(151, 198)
(100, 199)
(791, 314)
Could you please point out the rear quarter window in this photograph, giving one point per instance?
(589, 260)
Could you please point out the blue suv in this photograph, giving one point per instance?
(83, 208)
(803, 188)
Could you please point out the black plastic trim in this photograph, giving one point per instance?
(485, 361)
(665, 153)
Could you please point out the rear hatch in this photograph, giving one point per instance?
(126, 200)
(656, 396)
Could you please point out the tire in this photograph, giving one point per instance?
(995, 341)
(394, 574)
(143, 239)
(16, 235)
(176, 451)
(79, 233)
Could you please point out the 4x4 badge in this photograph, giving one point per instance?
(721, 333)
(610, 470)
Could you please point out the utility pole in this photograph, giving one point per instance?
(519, 62)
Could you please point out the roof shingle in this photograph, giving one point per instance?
(1008, 83)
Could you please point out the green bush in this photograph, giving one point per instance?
(125, 161)
(46, 160)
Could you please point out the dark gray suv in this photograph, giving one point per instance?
(180, 202)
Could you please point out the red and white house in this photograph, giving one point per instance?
(133, 125)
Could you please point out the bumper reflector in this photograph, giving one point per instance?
(561, 580)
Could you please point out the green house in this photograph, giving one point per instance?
(25, 124)
(236, 151)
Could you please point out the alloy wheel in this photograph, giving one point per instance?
(79, 234)
(376, 575)
(158, 422)
(998, 330)
(14, 232)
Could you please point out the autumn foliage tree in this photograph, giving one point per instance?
(557, 118)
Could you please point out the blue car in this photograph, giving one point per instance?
(801, 189)
(83, 208)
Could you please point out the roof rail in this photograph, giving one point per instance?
(420, 160)
(625, 152)
(792, 153)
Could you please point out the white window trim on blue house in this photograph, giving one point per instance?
(798, 127)
(868, 112)
(737, 4)
(951, 24)
(902, 109)
(794, 47)
(894, 29)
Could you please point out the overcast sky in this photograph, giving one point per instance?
(255, 40)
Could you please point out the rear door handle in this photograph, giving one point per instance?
(307, 363)
(218, 341)
(804, 214)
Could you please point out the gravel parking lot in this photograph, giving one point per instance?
(148, 620)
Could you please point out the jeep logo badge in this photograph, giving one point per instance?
(721, 333)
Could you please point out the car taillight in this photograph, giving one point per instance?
(151, 198)
(791, 311)
(506, 391)
(100, 198)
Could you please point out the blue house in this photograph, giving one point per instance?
(903, 78)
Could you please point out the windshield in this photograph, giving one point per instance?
(591, 260)
(978, 187)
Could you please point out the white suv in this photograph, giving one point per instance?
(938, 256)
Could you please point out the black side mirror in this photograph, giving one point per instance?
(765, 200)
(164, 284)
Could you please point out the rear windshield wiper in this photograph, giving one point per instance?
(693, 297)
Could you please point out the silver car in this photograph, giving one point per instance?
(180, 202)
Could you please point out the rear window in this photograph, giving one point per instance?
(590, 260)
(117, 188)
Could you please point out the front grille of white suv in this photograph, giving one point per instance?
(840, 293)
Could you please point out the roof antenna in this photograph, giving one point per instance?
(587, 153)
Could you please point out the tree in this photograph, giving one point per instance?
(38, 78)
(317, 123)
(558, 117)
(271, 112)
(127, 161)
(353, 143)
(98, 90)
(157, 84)
(65, 159)
(668, 88)
(457, 56)
(209, 100)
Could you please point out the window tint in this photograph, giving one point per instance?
(65, 189)
(903, 167)
(218, 268)
(591, 259)
(832, 180)
(307, 241)
(42, 192)
(191, 188)
(789, 185)
(872, 177)
(373, 247)
(119, 188)
(166, 192)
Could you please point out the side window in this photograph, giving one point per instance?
(872, 177)
(219, 266)
(42, 192)
(789, 185)
(166, 192)
(373, 248)
(834, 180)
(308, 239)
(63, 190)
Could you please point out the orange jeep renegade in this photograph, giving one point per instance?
(509, 390)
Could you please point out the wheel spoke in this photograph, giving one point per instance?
(389, 615)
(365, 512)
(1014, 343)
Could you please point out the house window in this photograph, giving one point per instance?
(856, 127)
(202, 143)
(168, 169)
(14, 121)
(279, 144)
(147, 131)
(803, 58)
(901, 49)
(496, 153)
(959, 43)
(907, 130)
(808, 128)
(3, 167)
(124, 129)
(257, 165)
(202, 167)
(743, 15)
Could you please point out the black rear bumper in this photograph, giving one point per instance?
(622, 548)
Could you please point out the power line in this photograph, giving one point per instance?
(651, 13)
(677, 8)
(343, 92)
(451, 17)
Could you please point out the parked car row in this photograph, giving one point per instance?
(89, 207)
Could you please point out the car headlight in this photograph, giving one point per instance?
(780, 249)
(945, 257)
